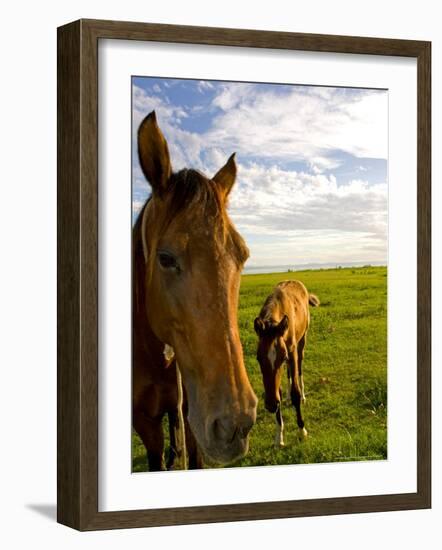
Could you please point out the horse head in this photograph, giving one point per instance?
(194, 257)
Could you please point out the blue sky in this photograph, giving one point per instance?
(312, 162)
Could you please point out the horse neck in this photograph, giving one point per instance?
(143, 333)
(271, 310)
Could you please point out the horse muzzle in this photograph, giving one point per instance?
(221, 419)
(227, 437)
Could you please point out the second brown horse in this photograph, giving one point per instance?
(282, 328)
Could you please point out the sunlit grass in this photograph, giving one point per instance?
(345, 370)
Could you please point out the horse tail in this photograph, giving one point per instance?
(313, 300)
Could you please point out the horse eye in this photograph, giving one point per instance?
(167, 261)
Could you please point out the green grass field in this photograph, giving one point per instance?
(345, 370)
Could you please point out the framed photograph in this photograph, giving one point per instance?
(243, 274)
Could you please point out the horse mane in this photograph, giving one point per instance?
(268, 308)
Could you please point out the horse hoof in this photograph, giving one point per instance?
(303, 399)
(279, 444)
(302, 434)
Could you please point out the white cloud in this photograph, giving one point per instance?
(204, 85)
(232, 95)
(325, 248)
(306, 216)
(287, 216)
(137, 205)
(313, 126)
(185, 147)
(302, 124)
(320, 164)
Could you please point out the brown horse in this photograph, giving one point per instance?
(282, 328)
(187, 261)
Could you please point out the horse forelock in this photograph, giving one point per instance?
(188, 193)
(189, 189)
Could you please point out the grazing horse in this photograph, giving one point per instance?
(282, 328)
(187, 261)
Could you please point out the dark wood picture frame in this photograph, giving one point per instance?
(77, 224)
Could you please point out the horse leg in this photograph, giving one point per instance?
(195, 456)
(279, 436)
(150, 431)
(174, 452)
(301, 346)
(295, 392)
(176, 446)
(288, 385)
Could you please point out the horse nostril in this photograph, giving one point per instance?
(227, 429)
(245, 426)
(224, 429)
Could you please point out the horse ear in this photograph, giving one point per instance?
(154, 154)
(225, 177)
(283, 325)
(259, 326)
